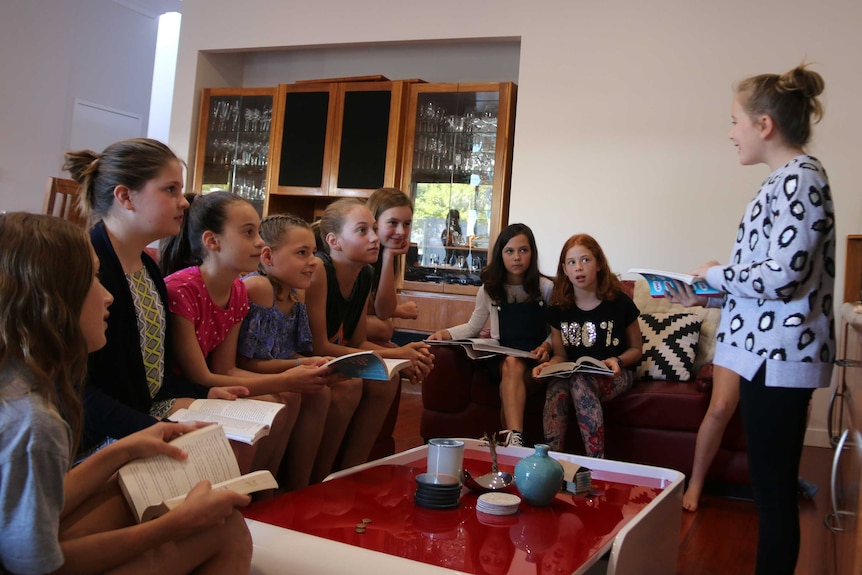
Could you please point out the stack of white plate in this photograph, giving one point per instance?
(498, 503)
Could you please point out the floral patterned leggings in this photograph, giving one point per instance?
(586, 393)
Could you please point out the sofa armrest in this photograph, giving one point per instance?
(447, 387)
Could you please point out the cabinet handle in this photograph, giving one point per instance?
(833, 439)
(833, 520)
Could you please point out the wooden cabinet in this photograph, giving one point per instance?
(437, 309)
(457, 169)
(335, 139)
(234, 142)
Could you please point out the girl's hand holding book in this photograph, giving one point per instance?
(310, 378)
(206, 507)
(538, 369)
(154, 440)
(542, 353)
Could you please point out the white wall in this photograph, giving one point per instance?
(99, 51)
(623, 107)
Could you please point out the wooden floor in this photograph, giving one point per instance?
(721, 537)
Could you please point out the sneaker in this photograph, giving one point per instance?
(510, 438)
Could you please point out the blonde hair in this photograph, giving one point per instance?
(332, 220)
(46, 271)
(273, 231)
(789, 99)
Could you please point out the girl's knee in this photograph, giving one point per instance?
(721, 411)
(346, 393)
(512, 365)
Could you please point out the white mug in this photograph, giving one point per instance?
(446, 456)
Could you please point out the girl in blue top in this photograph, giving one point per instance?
(777, 329)
(275, 336)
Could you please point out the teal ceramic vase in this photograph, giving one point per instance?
(539, 477)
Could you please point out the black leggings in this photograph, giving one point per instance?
(774, 420)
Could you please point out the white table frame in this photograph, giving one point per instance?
(648, 543)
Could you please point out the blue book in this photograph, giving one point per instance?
(658, 282)
(368, 365)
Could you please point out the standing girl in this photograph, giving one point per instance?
(589, 315)
(275, 332)
(133, 193)
(61, 520)
(514, 295)
(337, 304)
(393, 214)
(777, 327)
(219, 241)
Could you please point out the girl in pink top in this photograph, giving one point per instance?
(218, 242)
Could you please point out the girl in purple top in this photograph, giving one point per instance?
(276, 336)
(218, 242)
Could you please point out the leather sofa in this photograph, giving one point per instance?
(655, 423)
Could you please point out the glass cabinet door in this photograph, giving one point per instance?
(458, 158)
(233, 151)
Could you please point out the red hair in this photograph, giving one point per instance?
(608, 284)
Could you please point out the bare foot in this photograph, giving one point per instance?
(691, 499)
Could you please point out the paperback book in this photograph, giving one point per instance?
(155, 485)
(244, 420)
(659, 281)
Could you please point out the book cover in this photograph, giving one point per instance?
(368, 365)
(244, 420)
(658, 281)
(584, 364)
(154, 485)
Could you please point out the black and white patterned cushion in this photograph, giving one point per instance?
(669, 345)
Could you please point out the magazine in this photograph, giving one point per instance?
(583, 364)
(481, 348)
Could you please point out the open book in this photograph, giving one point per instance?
(368, 365)
(658, 281)
(481, 348)
(155, 485)
(583, 364)
(245, 420)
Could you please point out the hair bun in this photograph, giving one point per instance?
(810, 84)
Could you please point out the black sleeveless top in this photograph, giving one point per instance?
(343, 314)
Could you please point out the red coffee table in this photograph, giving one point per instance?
(633, 511)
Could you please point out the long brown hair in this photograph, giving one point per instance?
(46, 270)
(494, 274)
(131, 163)
(379, 201)
(608, 284)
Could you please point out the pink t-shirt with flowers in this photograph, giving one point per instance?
(188, 297)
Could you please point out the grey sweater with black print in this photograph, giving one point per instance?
(779, 303)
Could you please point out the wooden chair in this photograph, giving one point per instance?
(61, 200)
